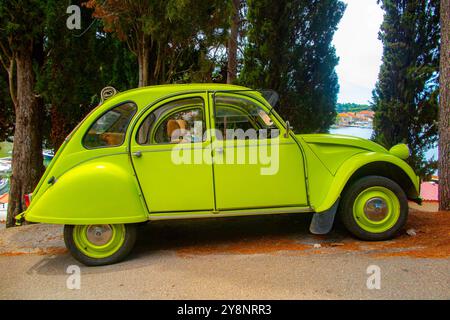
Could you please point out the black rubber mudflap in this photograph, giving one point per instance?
(322, 222)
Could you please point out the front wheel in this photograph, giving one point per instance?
(100, 244)
(374, 208)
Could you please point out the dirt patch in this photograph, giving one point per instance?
(265, 245)
(41, 239)
(432, 240)
(251, 235)
(427, 206)
(41, 252)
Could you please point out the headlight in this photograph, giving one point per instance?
(400, 150)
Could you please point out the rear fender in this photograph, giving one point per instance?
(101, 190)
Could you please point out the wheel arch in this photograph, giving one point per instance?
(387, 170)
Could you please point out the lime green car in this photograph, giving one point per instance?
(207, 151)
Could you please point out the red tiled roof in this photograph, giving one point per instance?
(367, 112)
(4, 198)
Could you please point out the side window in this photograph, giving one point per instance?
(231, 118)
(110, 129)
(180, 121)
(235, 116)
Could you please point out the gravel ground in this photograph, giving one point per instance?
(270, 257)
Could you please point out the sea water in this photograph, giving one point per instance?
(366, 133)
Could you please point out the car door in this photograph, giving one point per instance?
(171, 154)
(254, 165)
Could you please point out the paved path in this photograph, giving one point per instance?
(249, 258)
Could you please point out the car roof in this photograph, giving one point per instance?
(169, 89)
(145, 96)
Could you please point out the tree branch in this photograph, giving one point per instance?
(12, 90)
(5, 51)
(3, 62)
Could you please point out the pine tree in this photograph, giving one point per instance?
(289, 50)
(168, 43)
(21, 50)
(232, 50)
(6, 108)
(406, 95)
(77, 65)
(444, 114)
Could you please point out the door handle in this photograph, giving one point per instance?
(219, 150)
(137, 154)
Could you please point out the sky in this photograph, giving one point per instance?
(359, 50)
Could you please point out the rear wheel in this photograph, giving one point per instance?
(101, 244)
(374, 208)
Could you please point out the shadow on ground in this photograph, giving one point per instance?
(185, 238)
(258, 234)
(428, 237)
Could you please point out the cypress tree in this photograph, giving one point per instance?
(405, 99)
(289, 50)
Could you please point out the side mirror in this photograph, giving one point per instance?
(288, 129)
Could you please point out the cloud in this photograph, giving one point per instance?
(359, 50)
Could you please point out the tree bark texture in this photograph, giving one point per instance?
(444, 109)
(233, 43)
(27, 160)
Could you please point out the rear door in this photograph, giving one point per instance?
(171, 154)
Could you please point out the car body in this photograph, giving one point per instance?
(164, 155)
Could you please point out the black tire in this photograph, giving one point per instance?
(350, 195)
(119, 255)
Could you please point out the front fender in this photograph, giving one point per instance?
(98, 191)
(350, 166)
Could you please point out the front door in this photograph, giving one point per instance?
(165, 146)
(254, 165)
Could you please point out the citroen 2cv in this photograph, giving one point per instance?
(211, 150)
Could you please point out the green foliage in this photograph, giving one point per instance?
(21, 22)
(289, 50)
(6, 108)
(5, 149)
(176, 33)
(21, 26)
(406, 95)
(351, 107)
(78, 64)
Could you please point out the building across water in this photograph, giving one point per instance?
(362, 118)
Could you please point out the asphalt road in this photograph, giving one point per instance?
(235, 258)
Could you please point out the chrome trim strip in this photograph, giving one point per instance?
(230, 213)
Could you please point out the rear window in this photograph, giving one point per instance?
(110, 129)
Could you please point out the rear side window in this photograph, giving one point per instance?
(110, 129)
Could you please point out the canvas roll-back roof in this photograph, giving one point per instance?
(149, 94)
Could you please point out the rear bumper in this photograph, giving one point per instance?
(20, 218)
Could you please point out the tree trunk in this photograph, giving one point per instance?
(27, 161)
(143, 60)
(444, 109)
(59, 127)
(232, 43)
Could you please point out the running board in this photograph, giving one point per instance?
(229, 213)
